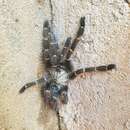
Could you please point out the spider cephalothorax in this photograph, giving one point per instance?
(58, 66)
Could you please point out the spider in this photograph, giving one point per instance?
(58, 66)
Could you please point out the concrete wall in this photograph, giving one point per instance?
(100, 101)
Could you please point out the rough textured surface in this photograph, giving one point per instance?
(100, 101)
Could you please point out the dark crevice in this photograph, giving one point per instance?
(59, 120)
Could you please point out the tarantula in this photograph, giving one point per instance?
(59, 68)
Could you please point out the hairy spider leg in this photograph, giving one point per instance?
(67, 63)
(46, 35)
(77, 39)
(46, 43)
(65, 49)
(28, 85)
(49, 46)
(76, 73)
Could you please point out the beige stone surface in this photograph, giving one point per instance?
(100, 101)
